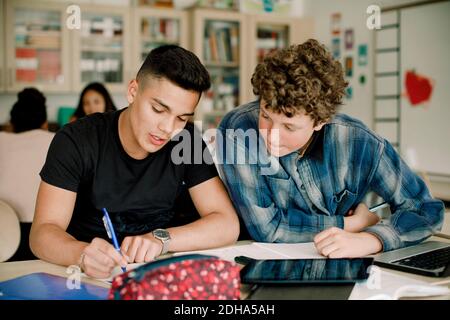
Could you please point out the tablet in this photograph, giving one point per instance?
(306, 271)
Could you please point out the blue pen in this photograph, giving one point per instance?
(110, 231)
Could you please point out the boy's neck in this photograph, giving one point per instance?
(127, 139)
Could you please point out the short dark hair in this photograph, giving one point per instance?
(301, 77)
(30, 110)
(177, 65)
(97, 87)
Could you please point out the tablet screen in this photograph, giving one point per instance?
(306, 271)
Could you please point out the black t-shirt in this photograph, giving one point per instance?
(87, 157)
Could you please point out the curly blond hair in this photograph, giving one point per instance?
(301, 77)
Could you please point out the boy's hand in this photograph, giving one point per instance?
(359, 219)
(337, 243)
(99, 259)
(142, 248)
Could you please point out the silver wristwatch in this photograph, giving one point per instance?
(164, 236)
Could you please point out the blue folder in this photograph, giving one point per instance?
(44, 286)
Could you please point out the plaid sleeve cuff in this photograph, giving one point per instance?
(325, 222)
(313, 223)
(388, 236)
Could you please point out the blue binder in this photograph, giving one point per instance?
(44, 286)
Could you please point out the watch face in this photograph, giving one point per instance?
(161, 233)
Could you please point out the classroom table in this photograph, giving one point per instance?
(10, 270)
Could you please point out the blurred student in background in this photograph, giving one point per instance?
(94, 98)
(22, 154)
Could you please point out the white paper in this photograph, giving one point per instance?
(384, 285)
(291, 250)
(263, 251)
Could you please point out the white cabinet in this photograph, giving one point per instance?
(268, 32)
(154, 27)
(101, 48)
(37, 46)
(112, 42)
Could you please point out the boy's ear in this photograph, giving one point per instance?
(320, 125)
(132, 90)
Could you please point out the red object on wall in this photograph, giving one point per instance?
(418, 87)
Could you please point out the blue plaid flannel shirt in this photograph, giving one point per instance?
(306, 195)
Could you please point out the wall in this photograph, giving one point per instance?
(425, 47)
(353, 15)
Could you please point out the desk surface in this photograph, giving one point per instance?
(10, 270)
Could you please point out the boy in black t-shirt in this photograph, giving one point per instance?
(134, 162)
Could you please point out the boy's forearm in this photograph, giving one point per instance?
(374, 244)
(50, 243)
(361, 220)
(213, 230)
(351, 224)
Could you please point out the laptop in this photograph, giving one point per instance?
(431, 258)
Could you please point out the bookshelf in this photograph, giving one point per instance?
(113, 40)
(102, 48)
(270, 31)
(218, 40)
(231, 44)
(155, 27)
(37, 46)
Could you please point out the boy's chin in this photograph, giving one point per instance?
(277, 152)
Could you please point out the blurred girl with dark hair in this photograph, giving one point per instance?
(94, 98)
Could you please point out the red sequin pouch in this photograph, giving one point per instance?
(187, 277)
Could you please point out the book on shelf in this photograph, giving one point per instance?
(26, 64)
(49, 68)
(160, 29)
(222, 43)
(213, 47)
(270, 39)
(234, 42)
(157, 3)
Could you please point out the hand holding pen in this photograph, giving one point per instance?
(100, 257)
(111, 233)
